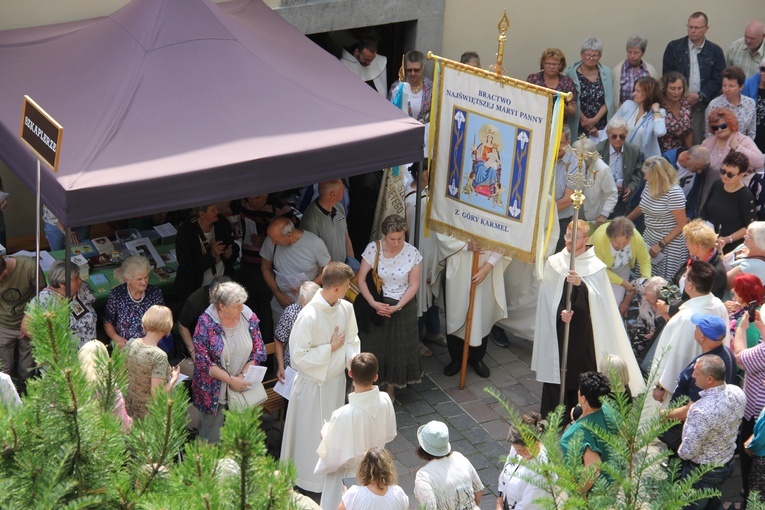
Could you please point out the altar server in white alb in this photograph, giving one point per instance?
(323, 342)
(596, 326)
(366, 421)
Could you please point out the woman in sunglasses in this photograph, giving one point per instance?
(730, 205)
(726, 138)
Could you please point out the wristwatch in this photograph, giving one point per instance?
(662, 244)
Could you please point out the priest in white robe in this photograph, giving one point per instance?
(452, 290)
(366, 421)
(596, 325)
(323, 342)
(367, 64)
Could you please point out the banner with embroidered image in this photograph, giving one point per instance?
(492, 159)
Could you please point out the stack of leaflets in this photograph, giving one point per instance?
(82, 266)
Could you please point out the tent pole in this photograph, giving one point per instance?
(37, 232)
(68, 261)
(418, 206)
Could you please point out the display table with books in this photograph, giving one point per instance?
(98, 271)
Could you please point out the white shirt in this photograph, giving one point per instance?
(694, 80)
(393, 271)
(615, 162)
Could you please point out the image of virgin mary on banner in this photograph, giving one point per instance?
(492, 159)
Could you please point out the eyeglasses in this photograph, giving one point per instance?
(591, 56)
(552, 64)
(718, 127)
(620, 137)
(413, 69)
(730, 175)
(691, 27)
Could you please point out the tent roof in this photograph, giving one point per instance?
(168, 104)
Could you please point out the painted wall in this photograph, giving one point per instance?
(537, 25)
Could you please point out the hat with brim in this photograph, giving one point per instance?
(711, 326)
(434, 438)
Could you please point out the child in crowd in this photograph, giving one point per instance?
(368, 420)
(377, 478)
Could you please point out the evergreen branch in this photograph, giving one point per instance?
(76, 457)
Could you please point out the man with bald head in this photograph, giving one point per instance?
(748, 52)
(326, 218)
(693, 172)
(291, 257)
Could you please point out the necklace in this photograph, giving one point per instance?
(416, 89)
(134, 300)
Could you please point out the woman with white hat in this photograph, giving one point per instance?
(448, 481)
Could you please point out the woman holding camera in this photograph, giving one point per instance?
(205, 248)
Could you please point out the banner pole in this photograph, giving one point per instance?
(468, 323)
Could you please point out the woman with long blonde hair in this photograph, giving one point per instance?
(663, 204)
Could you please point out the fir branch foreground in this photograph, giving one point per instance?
(64, 449)
(643, 477)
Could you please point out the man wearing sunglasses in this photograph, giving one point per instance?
(625, 161)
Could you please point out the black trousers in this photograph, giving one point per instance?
(475, 354)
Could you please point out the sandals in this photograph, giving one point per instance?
(425, 351)
(732, 505)
(436, 338)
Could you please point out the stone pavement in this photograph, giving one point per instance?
(477, 421)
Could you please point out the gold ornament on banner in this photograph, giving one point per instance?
(502, 26)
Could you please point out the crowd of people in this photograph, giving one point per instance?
(672, 227)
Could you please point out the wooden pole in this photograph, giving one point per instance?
(567, 325)
(468, 322)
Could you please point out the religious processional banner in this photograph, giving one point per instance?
(492, 163)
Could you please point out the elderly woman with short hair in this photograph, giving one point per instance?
(396, 341)
(749, 257)
(627, 71)
(730, 204)
(422, 87)
(146, 363)
(726, 138)
(82, 316)
(284, 327)
(227, 342)
(644, 116)
(551, 65)
(620, 246)
(663, 204)
(128, 302)
(594, 90)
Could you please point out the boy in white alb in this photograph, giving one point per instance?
(323, 342)
(366, 421)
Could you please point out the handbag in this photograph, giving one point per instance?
(251, 397)
(376, 280)
(366, 316)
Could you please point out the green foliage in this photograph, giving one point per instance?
(638, 476)
(65, 449)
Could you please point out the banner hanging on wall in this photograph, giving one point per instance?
(492, 158)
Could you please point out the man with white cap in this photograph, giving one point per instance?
(448, 480)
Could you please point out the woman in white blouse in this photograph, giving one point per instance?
(396, 341)
(515, 490)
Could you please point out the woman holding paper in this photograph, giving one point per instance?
(147, 365)
(227, 342)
